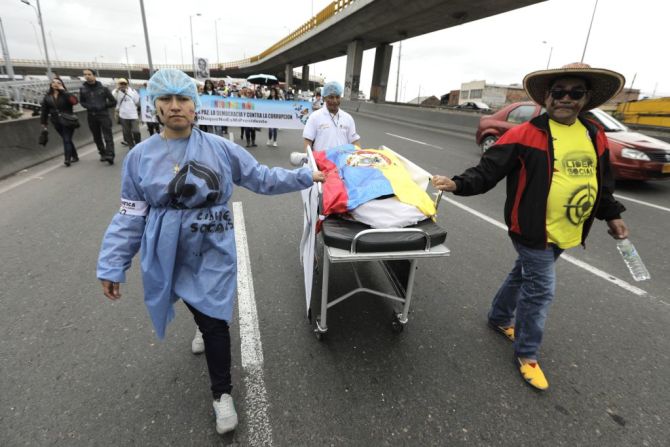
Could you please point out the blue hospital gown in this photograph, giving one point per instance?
(182, 222)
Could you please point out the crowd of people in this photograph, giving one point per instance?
(124, 100)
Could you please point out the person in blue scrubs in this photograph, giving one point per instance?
(175, 189)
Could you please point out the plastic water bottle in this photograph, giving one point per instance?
(632, 260)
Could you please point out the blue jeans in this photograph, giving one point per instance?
(66, 134)
(524, 297)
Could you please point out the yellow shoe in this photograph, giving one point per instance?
(532, 373)
(506, 331)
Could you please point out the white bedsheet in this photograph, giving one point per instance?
(387, 213)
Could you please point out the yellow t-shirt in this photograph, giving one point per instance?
(574, 186)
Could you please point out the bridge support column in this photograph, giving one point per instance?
(352, 77)
(305, 77)
(288, 76)
(380, 73)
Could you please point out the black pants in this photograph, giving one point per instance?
(100, 125)
(217, 350)
(250, 135)
(272, 134)
(68, 146)
(153, 128)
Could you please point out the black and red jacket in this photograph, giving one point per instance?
(525, 155)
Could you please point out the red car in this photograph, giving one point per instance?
(633, 156)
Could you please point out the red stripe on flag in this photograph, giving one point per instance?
(335, 197)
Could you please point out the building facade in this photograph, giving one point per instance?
(493, 95)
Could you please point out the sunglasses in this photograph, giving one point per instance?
(573, 94)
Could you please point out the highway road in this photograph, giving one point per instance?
(79, 370)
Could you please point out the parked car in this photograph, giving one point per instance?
(633, 156)
(473, 105)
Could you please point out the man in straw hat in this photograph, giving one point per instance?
(558, 181)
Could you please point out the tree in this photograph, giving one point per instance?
(7, 111)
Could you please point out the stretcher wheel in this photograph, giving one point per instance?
(396, 326)
(319, 335)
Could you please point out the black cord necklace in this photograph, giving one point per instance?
(175, 168)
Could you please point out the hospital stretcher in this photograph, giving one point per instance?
(397, 251)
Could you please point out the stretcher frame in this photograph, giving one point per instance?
(403, 289)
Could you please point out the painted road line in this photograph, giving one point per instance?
(641, 202)
(38, 175)
(581, 264)
(256, 401)
(413, 141)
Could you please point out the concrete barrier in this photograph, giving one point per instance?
(656, 132)
(455, 121)
(19, 148)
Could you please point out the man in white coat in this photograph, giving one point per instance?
(330, 126)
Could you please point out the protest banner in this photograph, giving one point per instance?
(244, 112)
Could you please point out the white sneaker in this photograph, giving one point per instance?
(268, 143)
(226, 416)
(198, 344)
(274, 144)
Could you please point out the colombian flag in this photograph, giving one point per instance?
(355, 176)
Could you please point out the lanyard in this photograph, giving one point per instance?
(332, 118)
(337, 127)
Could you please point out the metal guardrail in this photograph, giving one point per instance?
(336, 7)
(326, 13)
(29, 94)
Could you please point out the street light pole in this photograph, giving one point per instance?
(37, 40)
(181, 51)
(128, 60)
(551, 50)
(589, 33)
(44, 37)
(146, 38)
(190, 21)
(216, 33)
(5, 53)
(397, 78)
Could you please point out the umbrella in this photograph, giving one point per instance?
(263, 79)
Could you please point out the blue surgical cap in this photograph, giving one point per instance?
(169, 81)
(332, 88)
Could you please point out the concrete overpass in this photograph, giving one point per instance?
(349, 27)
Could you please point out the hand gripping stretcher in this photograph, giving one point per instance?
(397, 250)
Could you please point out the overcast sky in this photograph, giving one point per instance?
(627, 36)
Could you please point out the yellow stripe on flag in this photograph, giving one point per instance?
(403, 187)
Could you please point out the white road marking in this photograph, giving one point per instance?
(641, 202)
(581, 264)
(256, 401)
(38, 175)
(413, 141)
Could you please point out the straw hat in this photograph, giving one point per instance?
(603, 84)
